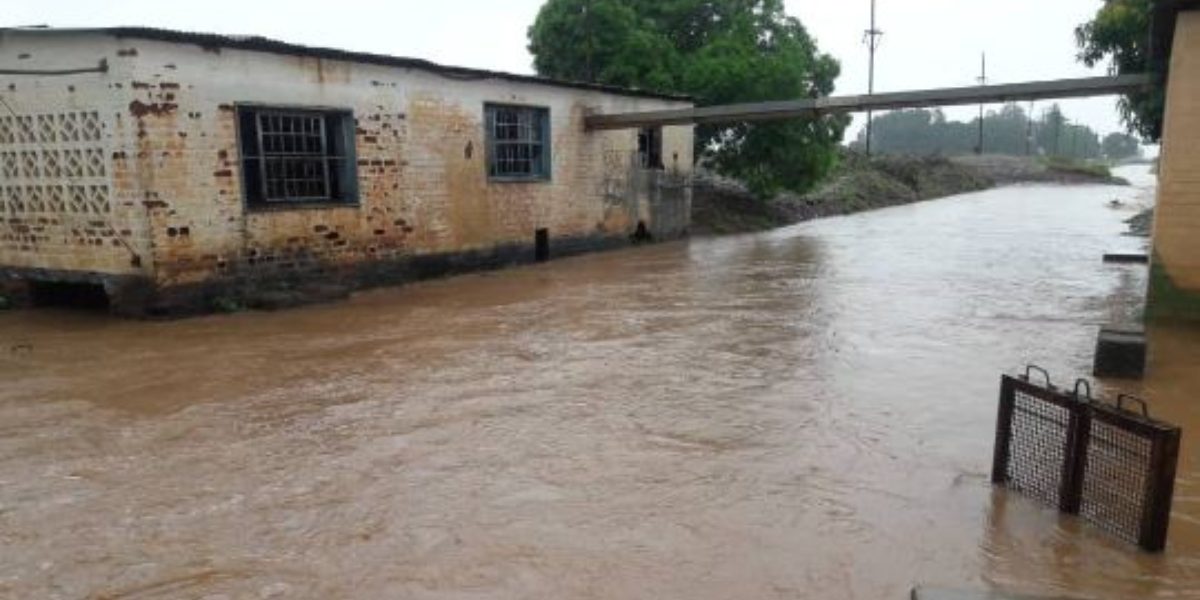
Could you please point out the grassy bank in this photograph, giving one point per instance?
(859, 183)
(1005, 170)
(862, 183)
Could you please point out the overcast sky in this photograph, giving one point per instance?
(927, 43)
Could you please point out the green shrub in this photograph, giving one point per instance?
(1067, 165)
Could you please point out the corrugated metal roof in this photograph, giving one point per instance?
(262, 44)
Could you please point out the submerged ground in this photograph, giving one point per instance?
(805, 413)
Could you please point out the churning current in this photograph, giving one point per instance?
(803, 413)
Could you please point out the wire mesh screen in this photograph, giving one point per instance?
(1112, 467)
(295, 160)
(1114, 480)
(1037, 447)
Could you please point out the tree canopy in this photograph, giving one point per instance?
(1121, 146)
(1120, 35)
(717, 52)
(1010, 130)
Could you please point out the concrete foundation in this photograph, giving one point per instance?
(923, 593)
(1120, 353)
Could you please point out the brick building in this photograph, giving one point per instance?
(176, 170)
(1175, 268)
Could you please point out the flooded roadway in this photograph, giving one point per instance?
(806, 413)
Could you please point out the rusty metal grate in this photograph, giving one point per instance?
(1111, 466)
(1037, 447)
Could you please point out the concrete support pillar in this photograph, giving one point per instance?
(1175, 267)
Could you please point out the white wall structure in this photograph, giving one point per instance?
(122, 162)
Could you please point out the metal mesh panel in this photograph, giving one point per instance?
(1110, 466)
(1115, 480)
(1038, 445)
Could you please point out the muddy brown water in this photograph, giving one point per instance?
(805, 413)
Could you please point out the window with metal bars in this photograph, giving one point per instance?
(518, 140)
(296, 156)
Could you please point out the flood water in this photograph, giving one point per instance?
(805, 413)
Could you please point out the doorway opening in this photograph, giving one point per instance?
(650, 148)
(541, 245)
(641, 234)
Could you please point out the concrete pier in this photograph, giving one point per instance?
(1120, 353)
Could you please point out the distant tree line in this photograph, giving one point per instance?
(1009, 130)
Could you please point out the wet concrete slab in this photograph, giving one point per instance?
(923, 593)
(1127, 258)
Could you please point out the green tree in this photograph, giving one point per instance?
(1006, 131)
(1052, 132)
(1080, 142)
(1120, 146)
(1120, 35)
(609, 43)
(718, 52)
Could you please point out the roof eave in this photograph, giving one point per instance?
(262, 44)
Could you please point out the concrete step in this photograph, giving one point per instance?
(1120, 353)
(929, 593)
(1127, 258)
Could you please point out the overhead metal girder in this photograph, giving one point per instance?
(788, 109)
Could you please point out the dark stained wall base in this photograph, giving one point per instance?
(264, 289)
(14, 293)
(1166, 300)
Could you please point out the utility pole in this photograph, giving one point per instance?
(1029, 130)
(871, 39)
(982, 81)
(1058, 125)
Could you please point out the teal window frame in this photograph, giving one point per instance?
(518, 143)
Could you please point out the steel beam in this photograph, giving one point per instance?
(789, 109)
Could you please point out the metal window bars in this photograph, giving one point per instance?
(518, 142)
(1108, 464)
(294, 156)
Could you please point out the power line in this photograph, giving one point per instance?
(871, 38)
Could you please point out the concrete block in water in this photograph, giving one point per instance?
(1120, 353)
(923, 593)
(1126, 258)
